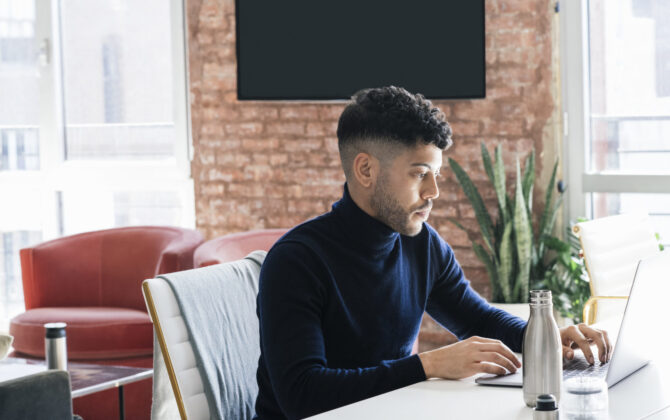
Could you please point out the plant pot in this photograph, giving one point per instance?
(522, 310)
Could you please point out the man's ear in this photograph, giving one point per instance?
(366, 169)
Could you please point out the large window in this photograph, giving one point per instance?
(616, 78)
(93, 123)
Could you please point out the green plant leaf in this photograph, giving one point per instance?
(481, 213)
(506, 264)
(500, 222)
(565, 259)
(527, 183)
(552, 218)
(548, 218)
(557, 245)
(499, 185)
(488, 166)
(459, 225)
(489, 264)
(529, 180)
(658, 238)
(523, 241)
(548, 198)
(573, 240)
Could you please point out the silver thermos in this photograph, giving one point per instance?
(55, 347)
(542, 350)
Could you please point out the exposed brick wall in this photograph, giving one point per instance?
(275, 164)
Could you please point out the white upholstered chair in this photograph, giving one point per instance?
(612, 248)
(177, 351)
(221, 301)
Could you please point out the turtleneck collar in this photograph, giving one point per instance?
(368, 233)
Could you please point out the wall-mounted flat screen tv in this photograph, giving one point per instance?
(329, 49)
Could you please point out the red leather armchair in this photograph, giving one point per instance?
(92, 281)
(235, 246)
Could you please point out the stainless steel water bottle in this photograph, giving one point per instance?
(55, 348)
(542, 350)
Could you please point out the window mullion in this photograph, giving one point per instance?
(626, 183)
(575, 93)
(51, 110)
(181, 111)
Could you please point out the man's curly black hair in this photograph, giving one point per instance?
(389, 115)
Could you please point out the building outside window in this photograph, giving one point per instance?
(93, 123)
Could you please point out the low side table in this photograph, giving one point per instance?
(85, 378)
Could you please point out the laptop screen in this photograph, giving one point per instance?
(648, 307)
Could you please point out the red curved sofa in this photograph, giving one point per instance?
(235, 246)
(92, 281)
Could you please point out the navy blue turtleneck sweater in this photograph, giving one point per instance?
(340, 304)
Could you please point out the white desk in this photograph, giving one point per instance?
(645, 393)
(660, 415)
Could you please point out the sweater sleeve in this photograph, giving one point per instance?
(454, 304)
(291, 300)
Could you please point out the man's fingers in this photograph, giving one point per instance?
(568, 353)
(477, 339)
(498, 359)
(579, 339)
(610, 347)
(498, 347)
(490, 368)
(597, 337)
(568, 336)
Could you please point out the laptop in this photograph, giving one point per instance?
(638, 335)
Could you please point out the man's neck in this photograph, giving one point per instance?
(361, 200)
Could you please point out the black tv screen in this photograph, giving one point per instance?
(329, 49)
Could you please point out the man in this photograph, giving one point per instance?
(341, 296)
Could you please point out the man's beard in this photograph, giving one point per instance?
(391, 212)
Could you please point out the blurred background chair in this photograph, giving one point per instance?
(220, 360)
(41, 396)
(612, 248)
(235, 246)
(92, 281)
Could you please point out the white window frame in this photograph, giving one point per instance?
(575, 91)
(57, 174)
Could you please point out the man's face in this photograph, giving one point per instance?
(405, 189)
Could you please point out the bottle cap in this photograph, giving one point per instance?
(540, 297)
(546, 402)
(55, 329)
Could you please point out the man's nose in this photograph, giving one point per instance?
(431, 191)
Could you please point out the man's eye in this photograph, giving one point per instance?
(422, 175)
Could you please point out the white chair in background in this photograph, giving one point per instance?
(221, 301)
(174, 353)
(612, 248)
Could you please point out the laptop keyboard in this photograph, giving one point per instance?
(580, 367)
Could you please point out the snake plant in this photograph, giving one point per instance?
(513, 252)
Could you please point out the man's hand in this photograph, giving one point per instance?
(582, 336)
(468, 357)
